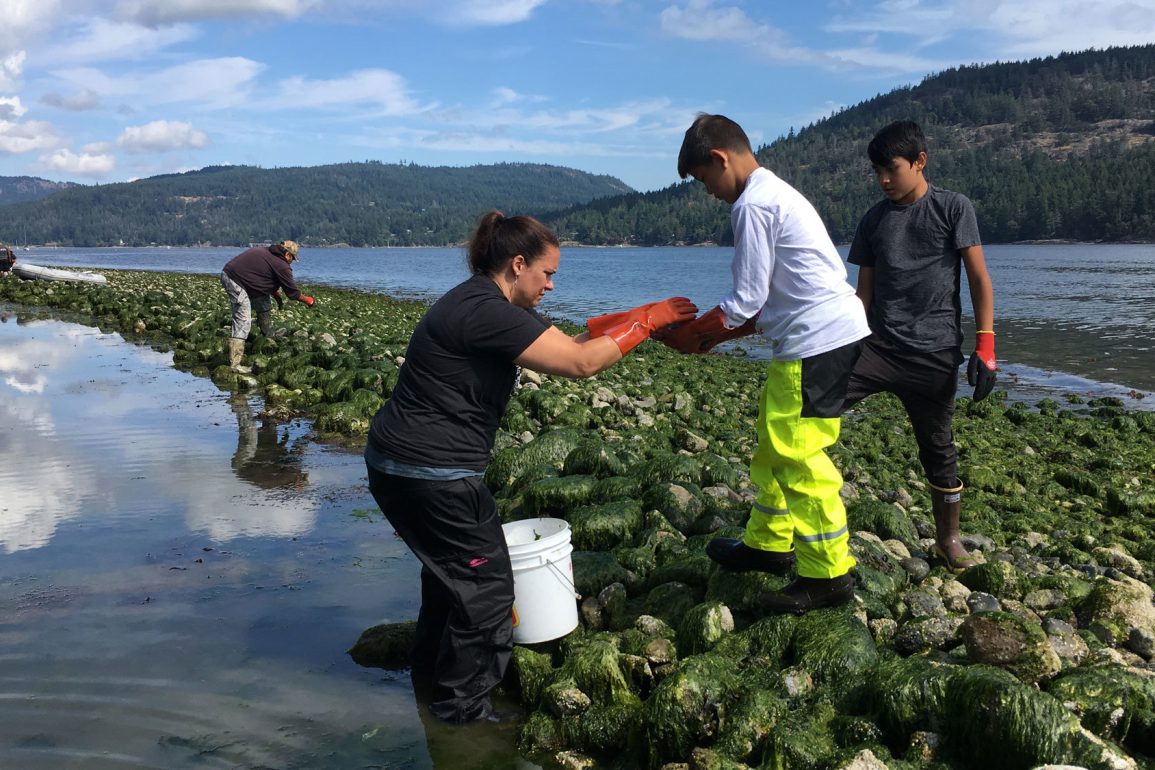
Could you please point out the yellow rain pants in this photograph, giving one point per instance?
(798, 504)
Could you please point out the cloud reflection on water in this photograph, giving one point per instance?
(99, 432)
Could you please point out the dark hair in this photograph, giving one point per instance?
(901, 139)
(497, 239)
(709, 132)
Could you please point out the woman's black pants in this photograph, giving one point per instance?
(465, 627)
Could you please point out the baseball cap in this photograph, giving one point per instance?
(291, 247)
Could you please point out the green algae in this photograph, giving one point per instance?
(836, 648)
(886, 520)
(604, 526)
(998, 722)
(1111, 701)
(904, 695)
(690, 705)
(703, 626)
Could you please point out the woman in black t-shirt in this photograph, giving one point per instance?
(430, 442)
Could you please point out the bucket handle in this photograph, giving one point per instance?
(565, 581)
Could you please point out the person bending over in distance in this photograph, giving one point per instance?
(429, 444)
(908, 248)
(252, 279)
(7, 260)
(790, 286)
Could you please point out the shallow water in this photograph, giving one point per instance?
(179, 582)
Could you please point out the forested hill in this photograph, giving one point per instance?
(1054, 148)
(16, 189)
(360, 204)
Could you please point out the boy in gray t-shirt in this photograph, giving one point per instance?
(909, 249)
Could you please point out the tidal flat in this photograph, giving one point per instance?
(1042, 654)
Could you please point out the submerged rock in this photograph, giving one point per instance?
(387, 645)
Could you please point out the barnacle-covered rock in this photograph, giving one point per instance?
(997, 578)
(1118, 605)
(703, 626)
(680, 502)
(690, 705)
(1008, 641)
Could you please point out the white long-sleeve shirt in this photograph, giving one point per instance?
(788, 273)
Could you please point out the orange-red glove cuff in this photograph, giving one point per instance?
(599, 325)
(628, 335)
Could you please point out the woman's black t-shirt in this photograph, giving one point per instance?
(457, 379)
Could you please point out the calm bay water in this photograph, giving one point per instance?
(1070, 317)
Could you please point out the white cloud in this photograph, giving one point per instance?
(24, 20)
(1033, 28)
(104, 40)
(1011, 28)
(375, 87)
(162, 136)
(11, 68)
(491, 12)
(84, 164)
(79, 101)
(503, 95)
(29, 136)
(11, 108)
(207, 83)
(159, 12)
(705, 20)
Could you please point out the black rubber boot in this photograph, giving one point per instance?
(946, 504)
(265, 322)
(733, 554)
(803, 593)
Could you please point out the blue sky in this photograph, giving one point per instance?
(113, 90)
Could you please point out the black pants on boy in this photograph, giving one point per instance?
(925, 383)
(465, 627)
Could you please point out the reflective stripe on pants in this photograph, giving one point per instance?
(798, 503)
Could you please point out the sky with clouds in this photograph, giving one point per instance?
(98, 91)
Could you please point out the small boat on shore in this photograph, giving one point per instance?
(36, 272)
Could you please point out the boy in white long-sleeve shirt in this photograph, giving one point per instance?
(789, 286)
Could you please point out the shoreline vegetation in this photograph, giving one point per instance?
(1043, 654)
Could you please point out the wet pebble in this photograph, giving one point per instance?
(979, 601)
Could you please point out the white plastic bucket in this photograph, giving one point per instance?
(544, 599)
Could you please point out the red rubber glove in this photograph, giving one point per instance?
(705, 332)
(641, 322)
(309, 301)
(981, 367)
(599, 325)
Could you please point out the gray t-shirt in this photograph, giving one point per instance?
(914, 250)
